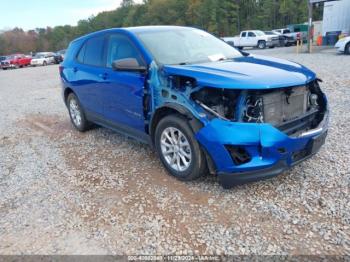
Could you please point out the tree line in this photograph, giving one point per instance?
(220, 17)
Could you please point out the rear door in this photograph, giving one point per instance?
(243, 39)
(89, 74)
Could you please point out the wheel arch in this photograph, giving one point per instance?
(67, 91)
(170, 109)
(194, 123)
(346, 48)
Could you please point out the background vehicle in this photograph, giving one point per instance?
(291, 38)
(15, 61)
(201, 103)
(282, 40)
(59, 56)
(252, 39)
(43, 59)
(343, 45)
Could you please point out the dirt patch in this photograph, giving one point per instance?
(49, 125)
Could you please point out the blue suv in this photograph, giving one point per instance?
(203, 105)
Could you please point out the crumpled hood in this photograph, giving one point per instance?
(251, 72)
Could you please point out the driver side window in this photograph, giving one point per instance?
(120, 47)
(251, 34)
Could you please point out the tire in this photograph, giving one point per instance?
(190, 151)
(347, 49)
(44, 63)
(262, 44)
(76, 113)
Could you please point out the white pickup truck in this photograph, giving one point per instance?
(253, 38)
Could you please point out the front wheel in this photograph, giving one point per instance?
(76, 113)
(178, 149)
(262, 45)
(347, 49)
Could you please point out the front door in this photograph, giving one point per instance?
(123, 95)
(252, 41)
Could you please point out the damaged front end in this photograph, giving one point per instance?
(249, 134)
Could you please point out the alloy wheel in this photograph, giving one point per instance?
(75, 112)
(176, 149)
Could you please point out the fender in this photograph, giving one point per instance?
(167, 108)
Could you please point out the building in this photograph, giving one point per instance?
(336, 18)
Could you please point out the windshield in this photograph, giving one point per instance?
(259, 33)
(186, 46)
(269, 33)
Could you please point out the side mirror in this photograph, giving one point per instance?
(128, 64)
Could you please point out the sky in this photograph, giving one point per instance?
(30, 14)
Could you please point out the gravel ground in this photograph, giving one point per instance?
(63, 192)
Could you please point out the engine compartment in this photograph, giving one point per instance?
(292, 110)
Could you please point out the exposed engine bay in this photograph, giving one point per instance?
(292, 110)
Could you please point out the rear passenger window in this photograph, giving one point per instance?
(244, 34)
(92, 52)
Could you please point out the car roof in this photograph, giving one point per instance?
(135, 30)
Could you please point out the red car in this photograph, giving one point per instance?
(15, 61)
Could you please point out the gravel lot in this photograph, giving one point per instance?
(62, 192)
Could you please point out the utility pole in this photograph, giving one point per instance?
(310, 5)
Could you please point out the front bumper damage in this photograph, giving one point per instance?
(271, 151)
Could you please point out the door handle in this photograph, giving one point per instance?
(75, 69)
(103, 76)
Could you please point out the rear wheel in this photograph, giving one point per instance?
(178, 149)
(347, 49)
(262, 44)
(76, 113)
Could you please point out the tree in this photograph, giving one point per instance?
(220, 17)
